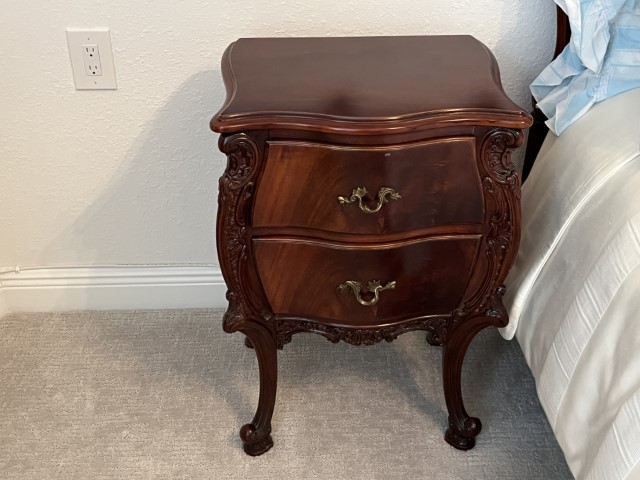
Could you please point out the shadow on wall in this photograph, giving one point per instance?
(536, 49)
(160, 206)
(524, 66)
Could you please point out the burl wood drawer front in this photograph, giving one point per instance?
(303, 277)
(436, 183)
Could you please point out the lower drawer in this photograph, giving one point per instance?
(314, 279)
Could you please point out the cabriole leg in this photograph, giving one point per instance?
(462, 428)
(257, 434)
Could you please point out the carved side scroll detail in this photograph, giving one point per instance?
(236, 189)
(501, 184)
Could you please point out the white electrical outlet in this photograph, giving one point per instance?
(91, 59)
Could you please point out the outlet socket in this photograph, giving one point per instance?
(91, 59)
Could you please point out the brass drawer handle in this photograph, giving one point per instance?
(384, 194)
(374, 287)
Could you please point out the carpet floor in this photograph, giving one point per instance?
(162, 394)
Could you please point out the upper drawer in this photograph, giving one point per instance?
(436, 182)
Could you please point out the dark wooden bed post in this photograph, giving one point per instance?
(538, 131)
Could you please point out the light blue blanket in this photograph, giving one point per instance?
(602, 60)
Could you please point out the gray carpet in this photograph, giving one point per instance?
(162, 394)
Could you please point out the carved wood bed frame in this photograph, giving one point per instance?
(538, 131)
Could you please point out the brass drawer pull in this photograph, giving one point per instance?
(384, 194)
(374, 287)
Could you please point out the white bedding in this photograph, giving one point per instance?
(601, 61)
(574, 293)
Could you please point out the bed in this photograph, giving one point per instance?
(574, 292)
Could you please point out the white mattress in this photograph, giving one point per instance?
(574, 293)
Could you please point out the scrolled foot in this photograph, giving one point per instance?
(465, 439)
(255, 443)
(457, 441)
(432, 340)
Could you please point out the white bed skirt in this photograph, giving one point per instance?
(574, 293)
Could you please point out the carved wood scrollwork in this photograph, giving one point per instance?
(501, 184)
(437, 326)
(236, 189)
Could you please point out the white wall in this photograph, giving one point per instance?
(130, 176)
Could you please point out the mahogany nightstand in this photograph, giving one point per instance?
(369, 192)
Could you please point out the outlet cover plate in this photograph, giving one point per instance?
(78, 39)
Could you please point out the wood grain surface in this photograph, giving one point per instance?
(363, 85)
(301, 184)
(300, 277)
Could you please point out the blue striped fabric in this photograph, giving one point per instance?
(602, 60)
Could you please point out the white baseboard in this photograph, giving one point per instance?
(112, 288)
(3, 307)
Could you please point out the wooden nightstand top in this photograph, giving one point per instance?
(363, 85)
